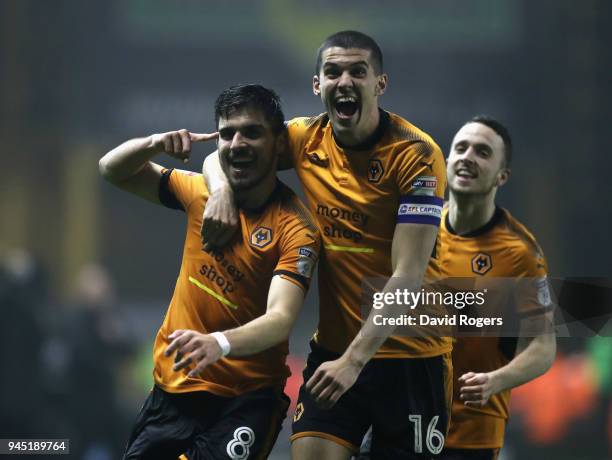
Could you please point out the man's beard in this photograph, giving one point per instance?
(244, 185)
(485, 190)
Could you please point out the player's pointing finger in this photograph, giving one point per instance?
(199, 137)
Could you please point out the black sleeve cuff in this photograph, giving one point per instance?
(166, 197)
(300, 279)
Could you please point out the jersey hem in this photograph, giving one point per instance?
(403, 354)
(215, 389)
(391, 354)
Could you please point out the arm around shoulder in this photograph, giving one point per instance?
(220, 220)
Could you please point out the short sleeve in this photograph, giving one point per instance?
(534, 289)
(300, 246)
(422, 182)
(178, 188)
(299, 131)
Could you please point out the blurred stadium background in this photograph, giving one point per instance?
(87, 271)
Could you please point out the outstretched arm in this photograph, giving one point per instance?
(410, 252)
(128, 166)
(284, 302)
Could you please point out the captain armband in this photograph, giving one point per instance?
(420, 209)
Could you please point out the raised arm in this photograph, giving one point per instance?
(410, 252)
(128, 166)
(284, 302)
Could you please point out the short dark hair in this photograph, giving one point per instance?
(352, 39)
(501, 131)
(239, 97)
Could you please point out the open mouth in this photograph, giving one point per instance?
(346, 107)
(242, 163)
(465, 173)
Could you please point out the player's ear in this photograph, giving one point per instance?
(381, 85)
(316, 85)
(502, 176)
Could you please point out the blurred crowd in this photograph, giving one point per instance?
(66, 366)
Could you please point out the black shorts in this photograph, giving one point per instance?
(469, 454)
(406, 401)
(202, 425)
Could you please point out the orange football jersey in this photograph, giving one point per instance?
(503, 248)
(223, 289)
(357, 197)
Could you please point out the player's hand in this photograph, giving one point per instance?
(220, 218)
(476, 388)
(193, 347)
(331, 380)
(177, 144)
